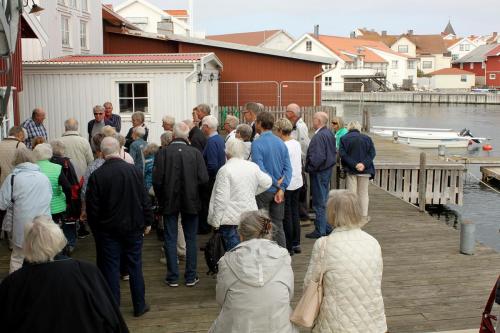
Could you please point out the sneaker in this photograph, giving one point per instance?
(297, 249)
(125, 277)
(140, 313)
(192, 283)
(313, 235)
(83, 233)
(172, 284)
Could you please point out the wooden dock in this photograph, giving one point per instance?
(427, 285)
(490, 174)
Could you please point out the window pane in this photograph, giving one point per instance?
(125, 90)
(126, 105)
(141, 104)
(140, 90)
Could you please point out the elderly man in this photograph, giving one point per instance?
(119, 214)
(97, 124)
(271, 155)
(168, 123)
(34, 126)
(76, 148)
(178, 172)
(250, 112)
(112, 119)
(230, 125)
(200, 112)
(8, 148)
(196, 137)
(320, 159)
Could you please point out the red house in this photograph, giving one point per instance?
(475, 62)
(493, 68)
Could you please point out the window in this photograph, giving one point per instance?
(308, 45)
(403, 48)
(493, 76)
(471, 65)
(65, 31)
(467, 47)
(85, 5)
(83, 35)
(410, 77)
(328, 81)
(463, 78)
(483, 65)
(327, 67)
(73, 4)
(427, 64)
(394, 64)
(133, 96)
(411, 64)
(454, 56)
(461, 47)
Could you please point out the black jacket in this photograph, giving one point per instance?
(197, 139)
(178, 171)
(116, 198)
(357, 148)
(322, 153)
(58, 297)
(129, 140)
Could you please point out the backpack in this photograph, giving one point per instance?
(214, 250)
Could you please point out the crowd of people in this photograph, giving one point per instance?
(250, 186)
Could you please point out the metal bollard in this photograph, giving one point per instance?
(441, 150)
(395, 136)
(467, 237)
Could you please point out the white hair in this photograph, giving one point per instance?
(232, 121)
(166, 138)
(210, 121)
(140, 131)
(354, 125)
(58, 147)
(295, 108)
(235, 148)
(110, 146)
(322, 116)
(43, 240)
(181, 130)
(71, 124)
(99, 108)
(168, 120)
(43, 151)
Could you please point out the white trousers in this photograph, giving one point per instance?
(359, 185)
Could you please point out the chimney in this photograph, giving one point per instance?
(410, 32)
(352, 34)
(316, 30)
(165, 26)
(384, 32)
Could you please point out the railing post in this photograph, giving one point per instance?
(422, 182)
(366, 120)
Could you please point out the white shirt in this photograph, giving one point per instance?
(295, 153)
(231, 135)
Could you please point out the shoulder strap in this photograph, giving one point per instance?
(12, 188)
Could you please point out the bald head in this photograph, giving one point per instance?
(38, 115)
(320, 119)
(71, 124)
(293, 112)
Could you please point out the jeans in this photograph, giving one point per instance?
(291, 222)
(276, 213)
(110, 247)
(230, 236)
(320, 182)
(190, 226)
(69, 230)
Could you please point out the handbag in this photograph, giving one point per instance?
(486, 324)
(307, 309)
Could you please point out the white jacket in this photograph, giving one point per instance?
(301, 134)
(235, 188)
(254, 289)
(352, 296)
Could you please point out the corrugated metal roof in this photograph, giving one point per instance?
(124, 59)
(476, 55)
(450, 71)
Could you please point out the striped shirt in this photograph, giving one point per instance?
(33, 129)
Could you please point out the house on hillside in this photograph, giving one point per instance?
(475, 62)
(451, 79)
(358, 61)
(463, 46)
(493, 68)
(271, 39)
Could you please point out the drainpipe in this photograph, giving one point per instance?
(187, 80)
(314, 82)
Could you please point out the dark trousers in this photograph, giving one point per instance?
(189, 226)
(276, 212)
(205, 194)
(320, 185)
(291, 222)
(109, 249)
(303, 213)
(68, 227)
(229, 236)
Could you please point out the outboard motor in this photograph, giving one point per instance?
(466, 132)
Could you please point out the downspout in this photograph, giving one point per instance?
(314, 81)
(187, 80)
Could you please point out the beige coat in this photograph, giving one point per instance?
(8, 149)
(78, 150)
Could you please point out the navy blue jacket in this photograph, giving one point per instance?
(357, 148)
(214, 155)
(321, 154)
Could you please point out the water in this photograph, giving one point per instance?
(481, 204)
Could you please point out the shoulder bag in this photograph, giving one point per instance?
(307, 309)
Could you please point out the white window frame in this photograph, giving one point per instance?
(84, 37)
(394, 64)
(411, 64)
(467, 47)
(471, 65)
(64, 32)
(404, 47)
(308, 45)
(493, 76)
(427, 62)
(328, 81)
(133, 97)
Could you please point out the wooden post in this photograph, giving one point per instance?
(422, 182)
(365, 127)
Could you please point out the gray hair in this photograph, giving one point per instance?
(235, 148)
(99, 108)
(254, 107)
(354, 125)
(58, 147)
(71, 124)
(23, 155)
(108, 130)
(97, 140)
(15, 130)
(205, 108)
(110, 146)
(181, 131)
(121, 139)
(43, 152)
(343, 209)
(151, 149)
(168, 120)
(295, 108)
(255, 224)
(140, 131)
(43, 240)
(166, 138)
(323, 117)
(211, 122)
(284, 126)
(138, 115)
(232, 121)
(245, 131)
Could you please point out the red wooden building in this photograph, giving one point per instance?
(493, 68)
(476, 62)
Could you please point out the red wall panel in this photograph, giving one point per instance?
(493, 67)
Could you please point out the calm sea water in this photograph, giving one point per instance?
(481, 204)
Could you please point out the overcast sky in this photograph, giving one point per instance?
(340, 17)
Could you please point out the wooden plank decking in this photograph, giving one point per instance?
(427, 285)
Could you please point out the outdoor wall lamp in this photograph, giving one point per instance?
(35, 9)
(212, 77)
(200, 77)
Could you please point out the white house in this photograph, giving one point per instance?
(451, 79)
(72, 27)
(270, 39)
(157, 84)
(463, 46)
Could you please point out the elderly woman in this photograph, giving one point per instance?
(357, 152)
(339, 129)
(108, 130)
(137, 147)
(244, 133)
(168, 123)
(291, 221)
(26, 192)
(236, 185)
(255, 282)
(138, 119)
(351, 261)
(166, 138)
(230, 125)
(60, 294)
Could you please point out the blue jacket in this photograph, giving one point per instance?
(271, 155)
(136, 151)
(321, 154)
(357, 148)
(214, 155)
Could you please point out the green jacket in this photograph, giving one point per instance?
(53, 171)
(340, 133)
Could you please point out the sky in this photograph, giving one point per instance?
(479, 17)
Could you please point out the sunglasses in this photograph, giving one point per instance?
(334, 123)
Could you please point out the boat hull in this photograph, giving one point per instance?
(434, 143)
